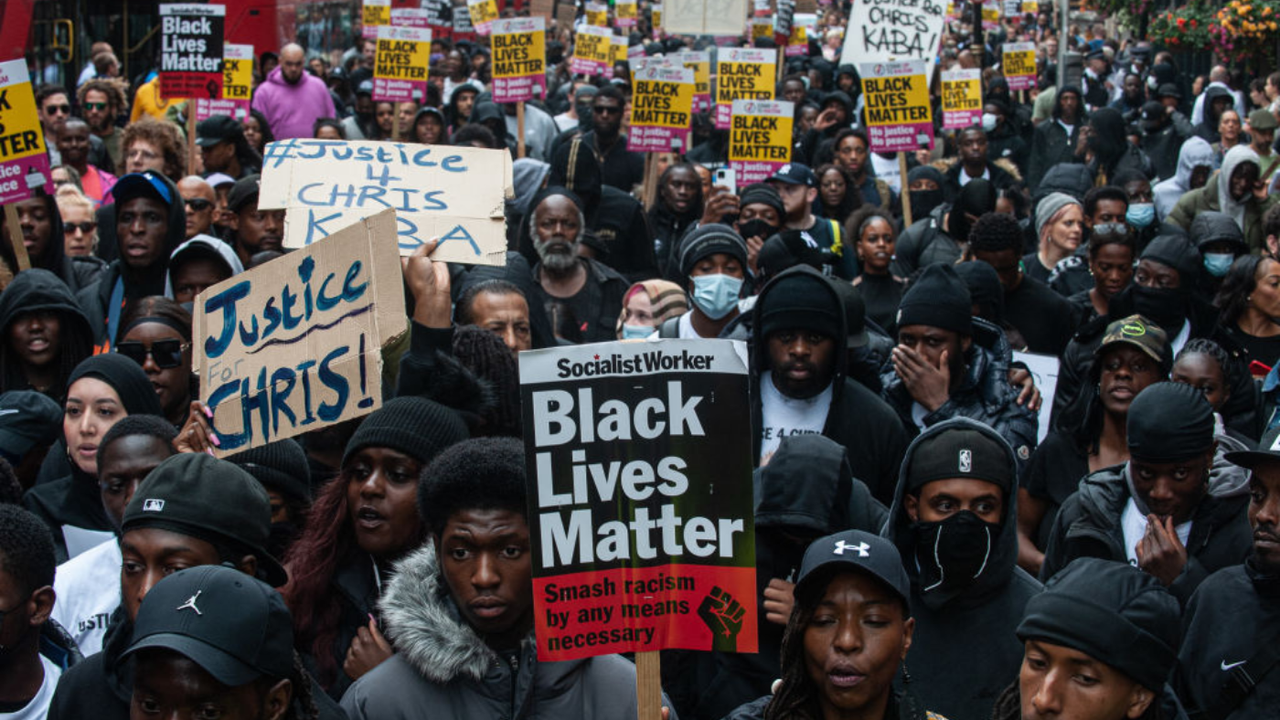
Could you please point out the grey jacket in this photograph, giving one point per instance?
(443, 669)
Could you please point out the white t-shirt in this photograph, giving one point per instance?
(1134, 524)
(783, 416)
(38, 708)
(88, 591)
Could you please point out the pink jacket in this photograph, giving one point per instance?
(292, 110)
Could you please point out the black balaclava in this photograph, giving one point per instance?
(924, 202)
(1108, 138)
(977, 198)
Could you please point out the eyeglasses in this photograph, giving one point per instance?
(166, 353)
(57, 109)
(140, 153)
(605, 110)
(95, 106)
(198, 204)
(84, 227)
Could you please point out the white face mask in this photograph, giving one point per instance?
(989, 121)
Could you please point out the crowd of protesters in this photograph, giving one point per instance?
(929, 543)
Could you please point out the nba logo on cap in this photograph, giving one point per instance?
(153, 505)
(966, 460)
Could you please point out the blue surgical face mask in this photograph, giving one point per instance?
(1140, 215)
(1218, 263)
(989, 121)
(636, 332)
(716, 295)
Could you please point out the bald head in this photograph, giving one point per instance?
(1219, 74)
(200, 200)
(291, 62)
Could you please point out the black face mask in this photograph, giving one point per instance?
(281, 537)
(1163, 306)
(955, 552)
(757, 228)
(924, 202)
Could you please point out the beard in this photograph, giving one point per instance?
(558, 254)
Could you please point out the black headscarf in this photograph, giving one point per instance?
(976, 198)
(124, 376)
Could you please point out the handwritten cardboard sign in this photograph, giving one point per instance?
(191, 51)
(237, 85)
(743, 74)
(400, 66)
(24, 162)
(640, 499)
(661, 108)
(453, 193)
(961, 98)
(519, 59)
(889, 30)
(704, 17)
(1018, 62)
(295, 344)
(591, 50)
(760, 138)
(899, 117)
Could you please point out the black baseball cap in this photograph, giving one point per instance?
(214, 500)
(853, 550)
(960, 448)
(1268, 452)
(235, 627)
(243, 192)
(795, 174)
(27, 419)
(216, 129)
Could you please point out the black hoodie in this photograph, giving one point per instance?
(96, 298)
(40, 290)
(1050, 143)
(964, 649)
(75, 272)
(867, 428)
(806, 491)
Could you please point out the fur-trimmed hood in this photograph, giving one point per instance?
(1005, 164)
(424, 625)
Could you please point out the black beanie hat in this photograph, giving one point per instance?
(957, 448)
(1169, 422)
(707, 240)
(763, 194)
(985, 289)
(281, 466)
(124, 376)
(938, 298)
(800, 299)
(1112, 612)
(415, 426)
(1176, 251)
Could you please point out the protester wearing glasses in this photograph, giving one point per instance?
(155, 332)
(79, 224)
(199, 199)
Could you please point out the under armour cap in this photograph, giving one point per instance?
(853, 550)
(235, 627)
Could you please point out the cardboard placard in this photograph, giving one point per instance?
(704, 17)
(760, 138)
(597, 14)
(961, 98)
(374, 14)
(1018, 63)
(295, 344)
(191, 51)
(24, 159)
(743, 74)
(519, 59)
(483, 13)
(591, 49)
(411, 17)
(400, 66)
(899, 117)
(237, 85)
(661, 108)
(640, 497)
(625, 13)
(453, 193)
(892, 30)
(699, 62)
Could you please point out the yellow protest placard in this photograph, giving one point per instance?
(761, 28)
(656, 12)
(899, 117)
(961, 98)
(24, 164)
(625, 13)
(373, 14)
(661, 107)
(597, 14)
(483, 13)
(519, 59)
(591, 50)
(237, 85)
(760, 138)
(617, 52)
(400, 67)
(699, 61)
(1018, 62)
(743, 74)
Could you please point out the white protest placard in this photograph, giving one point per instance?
(890, 30)
(1044, 372)
(704, 17)
(296, 344)
(454, 193)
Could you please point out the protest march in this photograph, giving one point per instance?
(640, 359)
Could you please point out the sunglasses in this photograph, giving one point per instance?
(603, 110)
(198, 204)
(58, 109)
(84, 227)
(165, 353)
(95, 106)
